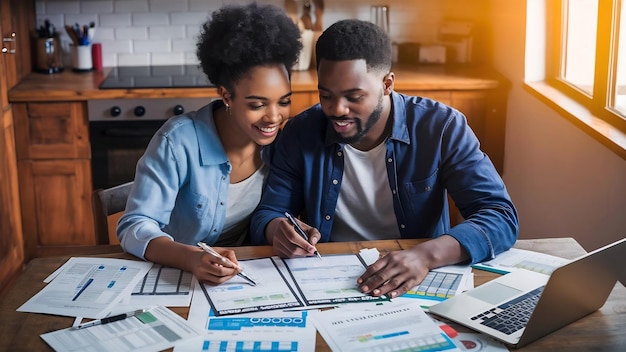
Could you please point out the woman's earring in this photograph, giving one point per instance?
(228, 109)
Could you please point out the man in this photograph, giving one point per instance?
(368, 163)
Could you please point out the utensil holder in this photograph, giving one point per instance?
(81, 58)
(304, 58)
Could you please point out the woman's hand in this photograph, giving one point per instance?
(213, 269)
(205, 267)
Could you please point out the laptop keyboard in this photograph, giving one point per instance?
(511, 316)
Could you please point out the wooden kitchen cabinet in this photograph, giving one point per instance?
(11, 245)
(301, 101)
(53, 157)
(17, 22)
(485, 112)
(16, 16)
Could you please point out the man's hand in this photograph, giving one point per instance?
(287, 242)
(394, 274)
(398, 272)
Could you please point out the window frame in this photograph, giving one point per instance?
(591, 113)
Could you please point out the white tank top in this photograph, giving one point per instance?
(365, 204)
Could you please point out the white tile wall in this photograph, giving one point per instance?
(163, 32)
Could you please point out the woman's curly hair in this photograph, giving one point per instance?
(237, 38)
(353, 39)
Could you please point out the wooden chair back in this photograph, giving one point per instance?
(107, 202)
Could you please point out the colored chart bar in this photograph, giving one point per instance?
(250, 346)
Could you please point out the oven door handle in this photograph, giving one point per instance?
(119, 132)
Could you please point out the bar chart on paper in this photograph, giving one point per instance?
(250, 346)
(427, 343)
(271, 331)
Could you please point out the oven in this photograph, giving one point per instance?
(120, 129)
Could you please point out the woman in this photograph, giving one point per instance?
(202, 173)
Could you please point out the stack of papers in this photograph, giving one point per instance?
(87, 287)
(240, 316)
(102, 287)
(392, 327)
(154, 330)
(521, 259)
(291, 283)
(280, 313)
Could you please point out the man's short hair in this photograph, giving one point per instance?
(353, 39)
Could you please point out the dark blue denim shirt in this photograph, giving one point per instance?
(431, 151)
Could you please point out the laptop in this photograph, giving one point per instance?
(538, 304)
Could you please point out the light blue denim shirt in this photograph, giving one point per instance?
(431, 151)
(181, 185)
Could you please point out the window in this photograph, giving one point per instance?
(579, 65)
(578, 35)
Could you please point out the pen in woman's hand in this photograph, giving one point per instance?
(300, 231)
(210, 250)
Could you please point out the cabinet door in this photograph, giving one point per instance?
(47, 131)
(17, 20)
(56, 195)
(485, 112)
(11, 245)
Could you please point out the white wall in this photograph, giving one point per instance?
(164, 32)
(563, 182)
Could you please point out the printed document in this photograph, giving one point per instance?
(275, 330)
(521, 259)
(236, 296)
(88, 287)
(163, 286)
(331, 280)
(157, 329)
(392, 327)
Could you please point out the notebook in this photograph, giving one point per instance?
(538, 304)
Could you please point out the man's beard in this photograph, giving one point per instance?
(360, 130)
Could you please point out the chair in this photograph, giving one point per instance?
(105, 202)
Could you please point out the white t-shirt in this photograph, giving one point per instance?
(365, 204)
(243, 198)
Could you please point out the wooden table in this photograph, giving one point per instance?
(604, 330)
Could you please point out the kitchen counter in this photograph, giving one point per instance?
(70, 86)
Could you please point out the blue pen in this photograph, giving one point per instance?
(82, 289)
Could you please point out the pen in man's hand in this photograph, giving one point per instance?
(300, 231)
(108, 319)
(210, 250)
